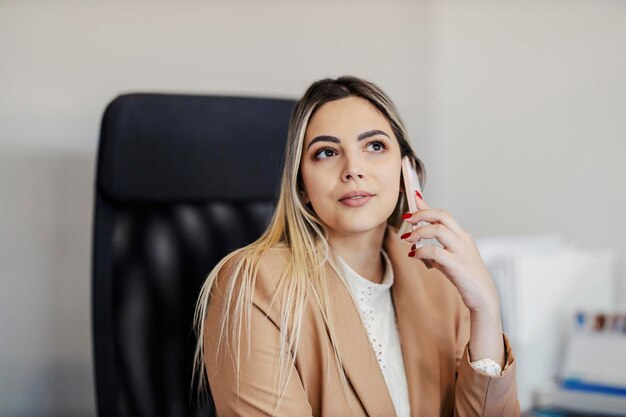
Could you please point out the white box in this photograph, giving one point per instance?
(542, 282)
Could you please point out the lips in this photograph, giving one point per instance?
(355, 195)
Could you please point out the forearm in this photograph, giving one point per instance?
(486, 336)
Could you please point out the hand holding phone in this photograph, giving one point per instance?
(412, 184)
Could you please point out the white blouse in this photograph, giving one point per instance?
(379, 318)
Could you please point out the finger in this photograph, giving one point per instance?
(434, 253)
(425, 213)
(421, 204)
(433, 264)
(445, 236)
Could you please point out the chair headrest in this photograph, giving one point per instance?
(170, 135)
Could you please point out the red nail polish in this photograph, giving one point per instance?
(418, 194)
(406, 215)
(412, 253)
(404, 236)
(413, 247)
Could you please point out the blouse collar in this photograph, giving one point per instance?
(364, 289)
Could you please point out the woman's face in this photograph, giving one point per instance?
(349, 147)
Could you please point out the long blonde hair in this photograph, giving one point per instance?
(296, 226)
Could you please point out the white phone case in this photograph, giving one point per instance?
(412, 184)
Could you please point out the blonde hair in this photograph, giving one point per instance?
(296, 226)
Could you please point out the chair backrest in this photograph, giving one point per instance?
(181, 181)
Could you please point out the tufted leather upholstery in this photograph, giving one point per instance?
(181, 181)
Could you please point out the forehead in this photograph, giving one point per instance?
(347, 117)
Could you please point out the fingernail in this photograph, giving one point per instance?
(404, 236)
(418, 194)
(406, 215)
(413, 247)
(412, 253)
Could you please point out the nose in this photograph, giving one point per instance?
(351, 172)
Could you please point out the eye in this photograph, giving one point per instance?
(377, 146)
(324, 153)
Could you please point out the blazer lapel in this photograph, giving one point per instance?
(359, 360)
(417, 336)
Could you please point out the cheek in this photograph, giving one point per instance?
(392, 190)
(393, 178)
(312, 184)
(315, 178)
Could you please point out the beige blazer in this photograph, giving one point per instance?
(434, 334)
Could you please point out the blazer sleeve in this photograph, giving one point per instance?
(258, 370)
(478, 394)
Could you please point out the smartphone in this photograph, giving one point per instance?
(412, 184)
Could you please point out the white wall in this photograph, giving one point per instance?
(516, 108)
(528, 118)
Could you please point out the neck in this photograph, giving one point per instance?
(361, 251)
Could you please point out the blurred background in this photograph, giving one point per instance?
(515, 107)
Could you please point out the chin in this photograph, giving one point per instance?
(356, 226)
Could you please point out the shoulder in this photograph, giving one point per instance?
(275, 260)
(243, 268)
(271, 261)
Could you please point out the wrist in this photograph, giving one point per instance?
(488, 312)
(487, 302)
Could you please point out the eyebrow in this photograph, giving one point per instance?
(334, 139)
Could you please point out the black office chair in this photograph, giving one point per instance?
(181, 181)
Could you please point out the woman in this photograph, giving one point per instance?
(328, 313)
